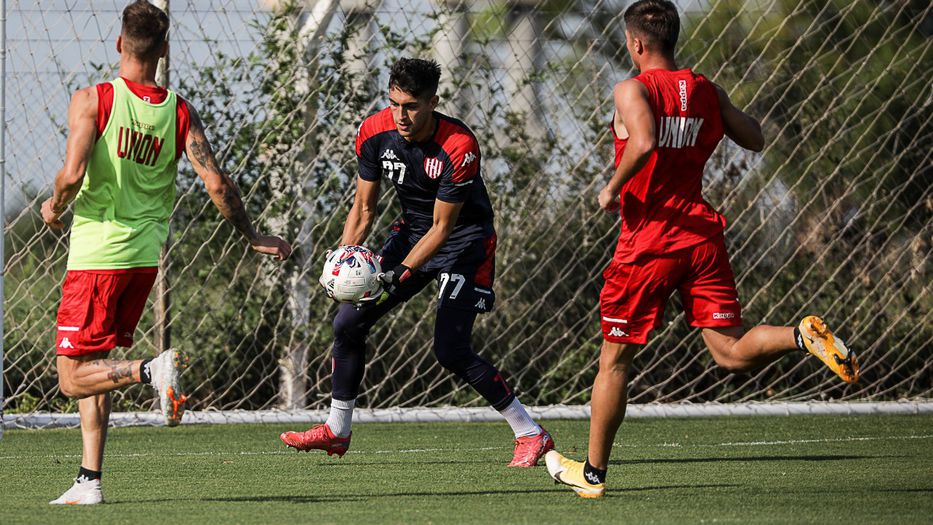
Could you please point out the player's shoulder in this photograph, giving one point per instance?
(454, 136)
(85, 100)
(376, 124)
(629, 87)
(88, 93)
(183, 104)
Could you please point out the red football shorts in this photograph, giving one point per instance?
(632, 300)
(100, 309)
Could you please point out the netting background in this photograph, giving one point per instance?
(833, 218)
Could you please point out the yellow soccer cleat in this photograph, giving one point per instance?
(820, 341)
(570, 473)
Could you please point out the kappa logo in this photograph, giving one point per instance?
(617, 332)
(591, 477)
(388, 155)
(682, 91)
(468, 159)
(66, 343)
(481, 304)
(433, 167)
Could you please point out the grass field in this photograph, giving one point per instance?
(876, 469)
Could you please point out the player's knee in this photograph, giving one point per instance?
(67, 387)
(451, 355)
(730, 364)
(616, 358)
(347, 326)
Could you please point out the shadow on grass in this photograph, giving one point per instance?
(744, 459)
(344, 498)
(354, 463)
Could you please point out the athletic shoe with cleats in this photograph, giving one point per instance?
(820, 341)
(83, 492)
(164, 371)
(570, 473)
(528, 450)
(317, 437)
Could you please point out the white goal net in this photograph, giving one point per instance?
(834, 218)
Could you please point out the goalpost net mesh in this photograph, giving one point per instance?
(833, 218)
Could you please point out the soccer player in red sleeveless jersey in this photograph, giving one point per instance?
(124, 141)
(446, 235)
(667, 123)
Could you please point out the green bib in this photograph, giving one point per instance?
(121, 213)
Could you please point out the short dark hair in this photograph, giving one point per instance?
(417, 77)
(654, 20)
(144, 29)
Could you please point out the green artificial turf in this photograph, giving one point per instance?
(867, 469)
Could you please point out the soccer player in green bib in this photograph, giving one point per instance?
(125, 138)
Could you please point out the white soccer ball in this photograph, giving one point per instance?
(351, 275)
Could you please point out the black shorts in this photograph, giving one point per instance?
(464, 273)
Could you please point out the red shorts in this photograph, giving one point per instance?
(632, 300)
(100, 309)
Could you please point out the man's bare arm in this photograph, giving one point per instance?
(82, 135)
(224, 192)
(739, 126)
(445, 219)
(631, 102)
(362, 214)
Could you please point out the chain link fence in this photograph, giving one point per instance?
(833, 218)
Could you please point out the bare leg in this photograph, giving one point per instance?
(740, 351)
(610, 395)
(93, 374)
(95, 414)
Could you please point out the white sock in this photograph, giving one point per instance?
(341, 417)
(519, 420)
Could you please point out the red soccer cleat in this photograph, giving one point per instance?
(528, 450)
(317, 437)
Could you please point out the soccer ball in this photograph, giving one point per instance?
(351, 275)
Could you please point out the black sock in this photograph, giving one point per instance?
(593, 475)
(87, 475)
(798, 339)
(145, 376)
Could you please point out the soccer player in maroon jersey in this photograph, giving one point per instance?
(445, 234)
(666, 125)
(124, 141)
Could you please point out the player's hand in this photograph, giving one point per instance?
(608, 200)
(393, 278)
(50, 217)
(272, 245)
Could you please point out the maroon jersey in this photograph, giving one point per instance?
(662, 206)
(444, 167)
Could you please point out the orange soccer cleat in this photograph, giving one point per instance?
(165, 370)
(317, 437)
(529, 450)
(820, 341)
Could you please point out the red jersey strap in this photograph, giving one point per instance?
(461, 147)
(618, 142)
(151, 94)
(372, 126)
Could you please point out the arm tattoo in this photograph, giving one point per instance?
(230, 204)
(235, 212)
